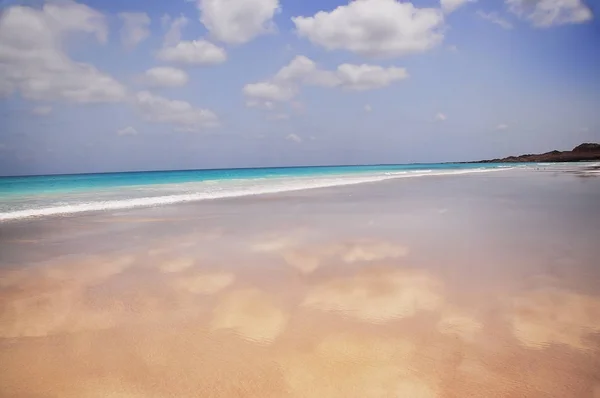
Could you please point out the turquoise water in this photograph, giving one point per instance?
(84, 182)
(34, 196)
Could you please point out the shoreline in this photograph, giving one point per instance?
(272, 186)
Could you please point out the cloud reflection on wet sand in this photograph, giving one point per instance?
(348, 365)
(459, 323)
(205, 282)
(376, 295)
(307, 257)
(176, 265)
(50, 299)
(251, 314)
(92, 327)
(554, 316)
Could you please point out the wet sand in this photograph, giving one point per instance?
(481, 285)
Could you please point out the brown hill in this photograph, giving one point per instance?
(583, 152)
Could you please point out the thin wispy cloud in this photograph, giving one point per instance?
(494, 18)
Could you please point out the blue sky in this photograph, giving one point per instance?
(95, 86)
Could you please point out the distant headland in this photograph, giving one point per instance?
(583, 152)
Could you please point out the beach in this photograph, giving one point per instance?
(455, 283)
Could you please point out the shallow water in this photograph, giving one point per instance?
(40, 196)
(457, 286)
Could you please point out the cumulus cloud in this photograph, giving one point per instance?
(33, 62)
(135, 28)
(367, 77)
(546, 13)
(238, 21)
(181, 114)
(502, 127)
(440, 117)
(302, 70)
(269, 91)
(165, 76)
(173, 35)
(449, 6)
(294, 137)
(493, 17)
(127, 131)
(378, 28)
(195, 52)
(42, 110)
(260, 104)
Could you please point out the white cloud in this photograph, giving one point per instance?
(546, 13)
(165, 76)
(179, 113)
(452, 48)
(42, 110)
(382, 28)
(449, 6)
(502, 127)
(173, 35)
(368, 108)
(298, 68)
(269, 91)
(32, 60)
(294, 137)
(440, 117)
(268, 105)
(196, 52)
(493, 17)
(302, 70)
(238, 21)
(368, 77)
(135, 28)
(127, 131)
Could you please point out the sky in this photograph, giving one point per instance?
(107, 85)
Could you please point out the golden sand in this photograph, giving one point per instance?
(361, 321)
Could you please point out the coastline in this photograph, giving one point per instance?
(108, 192)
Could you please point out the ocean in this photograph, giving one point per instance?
(36, 196)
